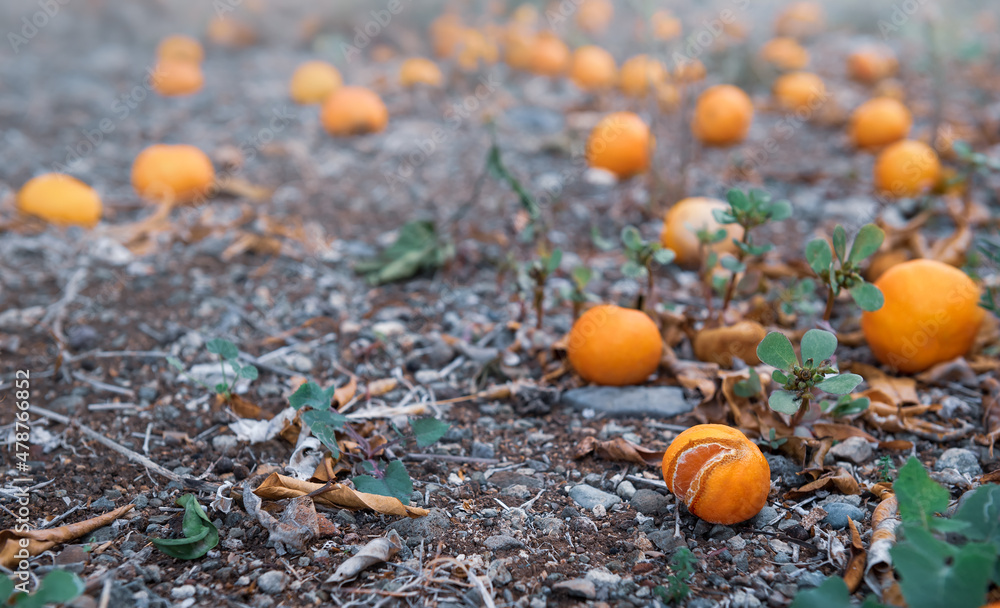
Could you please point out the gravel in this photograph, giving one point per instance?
(589, 497)
(650, 502)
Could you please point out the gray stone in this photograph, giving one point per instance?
(781, 466)
(482, 449)
(630, 401)
(67, 404)
(102, 504)
(589, 497)
(765, 517)
(502, 542)
(517, 491)
(577, 587)
(962, 460)
(743, 599)
(666, 541)
(810, 579)
(272, 582)
(649, 502)
(183, 592)
(498, 573)
(550, 526)
(736, 543)
(854, 449)
(602, 577)
(427, 528)
(505, 479)
(626, 490)
(838, 512)
(226, 444)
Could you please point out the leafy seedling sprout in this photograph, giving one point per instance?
(748, 210)
(538, 272)
(580, 277)
(816, 372)
(839, 269)
(56, 587)
(641, 256)
(228, 354)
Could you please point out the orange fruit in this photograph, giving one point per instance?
(313, 81)
(227, 31)
(175, 173)
(549, 56)
(519, 47)
(172, 78)
(446, 34)
(692, 70)
(621, 144)
(879, 122)
(640, 74)
(475, 49)
(799, 91)
(668, 97)
(722, 115)
(685, 219)
(906, 168)
(180, 48)
(593, 68)
(594, 16)
(931, 315)
(718, 473)
(800, 19)
(665, 25)
(614, 346)
(60, 199)
(785, 53)
(418, 70)
(871, 64)
(525, 14)
(353, 111)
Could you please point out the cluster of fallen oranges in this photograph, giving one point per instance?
(719, 474)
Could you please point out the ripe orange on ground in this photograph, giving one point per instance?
(60, 199)
(180, 48)
(519, 45)
(172, 78)
(785, 53)
(879, 122)
(722, 115)
(718, 473)
(313, 81)
(799, 91)
(614, 346)
(620, 143)
(475, 49)
(689, 71)
(668, 97)
(228, 31)
(174, 173)
(446, 33)
(639, 74)
(871, 64)
(594, 16)
(593, 68)
(931, 315)
(800, 19)
(685, 219)
(549, 56)
(906, 168)
(665, 25)
(418, 70)
(353, 111)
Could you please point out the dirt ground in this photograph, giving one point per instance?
(93, 314)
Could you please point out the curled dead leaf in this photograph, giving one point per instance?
(377, 551)
(278, 487)
(878, 573)
(40, 541)
(618, 449)
(722, 344)
(838, 480)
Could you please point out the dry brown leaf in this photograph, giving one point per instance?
(721, 345)
(900, 390)
(39, 541)
(855, 571)
(956, 370)
(839, 432)
(618, 449)
(904, 420)
(298, 525)
(236, 186)
(839, 480)
(878, 572)
(991, 477)
(377, 388)
(344, 394)
(278, 487)
(377, 551)
(254, 243)
(695, 375)
(991, 413)
(953, 248)
(242, 407)
(896, 445)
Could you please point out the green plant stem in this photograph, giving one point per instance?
(539, 304)
(731, 288)
(828, 312)
(797, 418)
(650, 286)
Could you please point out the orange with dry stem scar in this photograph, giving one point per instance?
(718, 473)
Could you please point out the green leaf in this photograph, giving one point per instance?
(631, 238)
(981, 510)
(784, 402)
(57, 587)
(428, 430)
(324, 424)
(840, 242)
(781, 210)
(832, 593)
(311, 395)
(867, 242)
(841, 384)
(776, 350)
(738, 200)
(200, 535)
(581, 276)
(732, 264)
(920, 497)
(554, 260)
(633, 269)
(396, 482)
(846, 406)
(249, 372)
(933, 573)
(749, 387)
(818, 345)
(221, 388)
(6, 588)
(867, 296)
(224, 348)
(600, 242)
(779, 377)
(723, 216)
(664, 256)
(819, 256)
(175, 363)
(417, 248)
